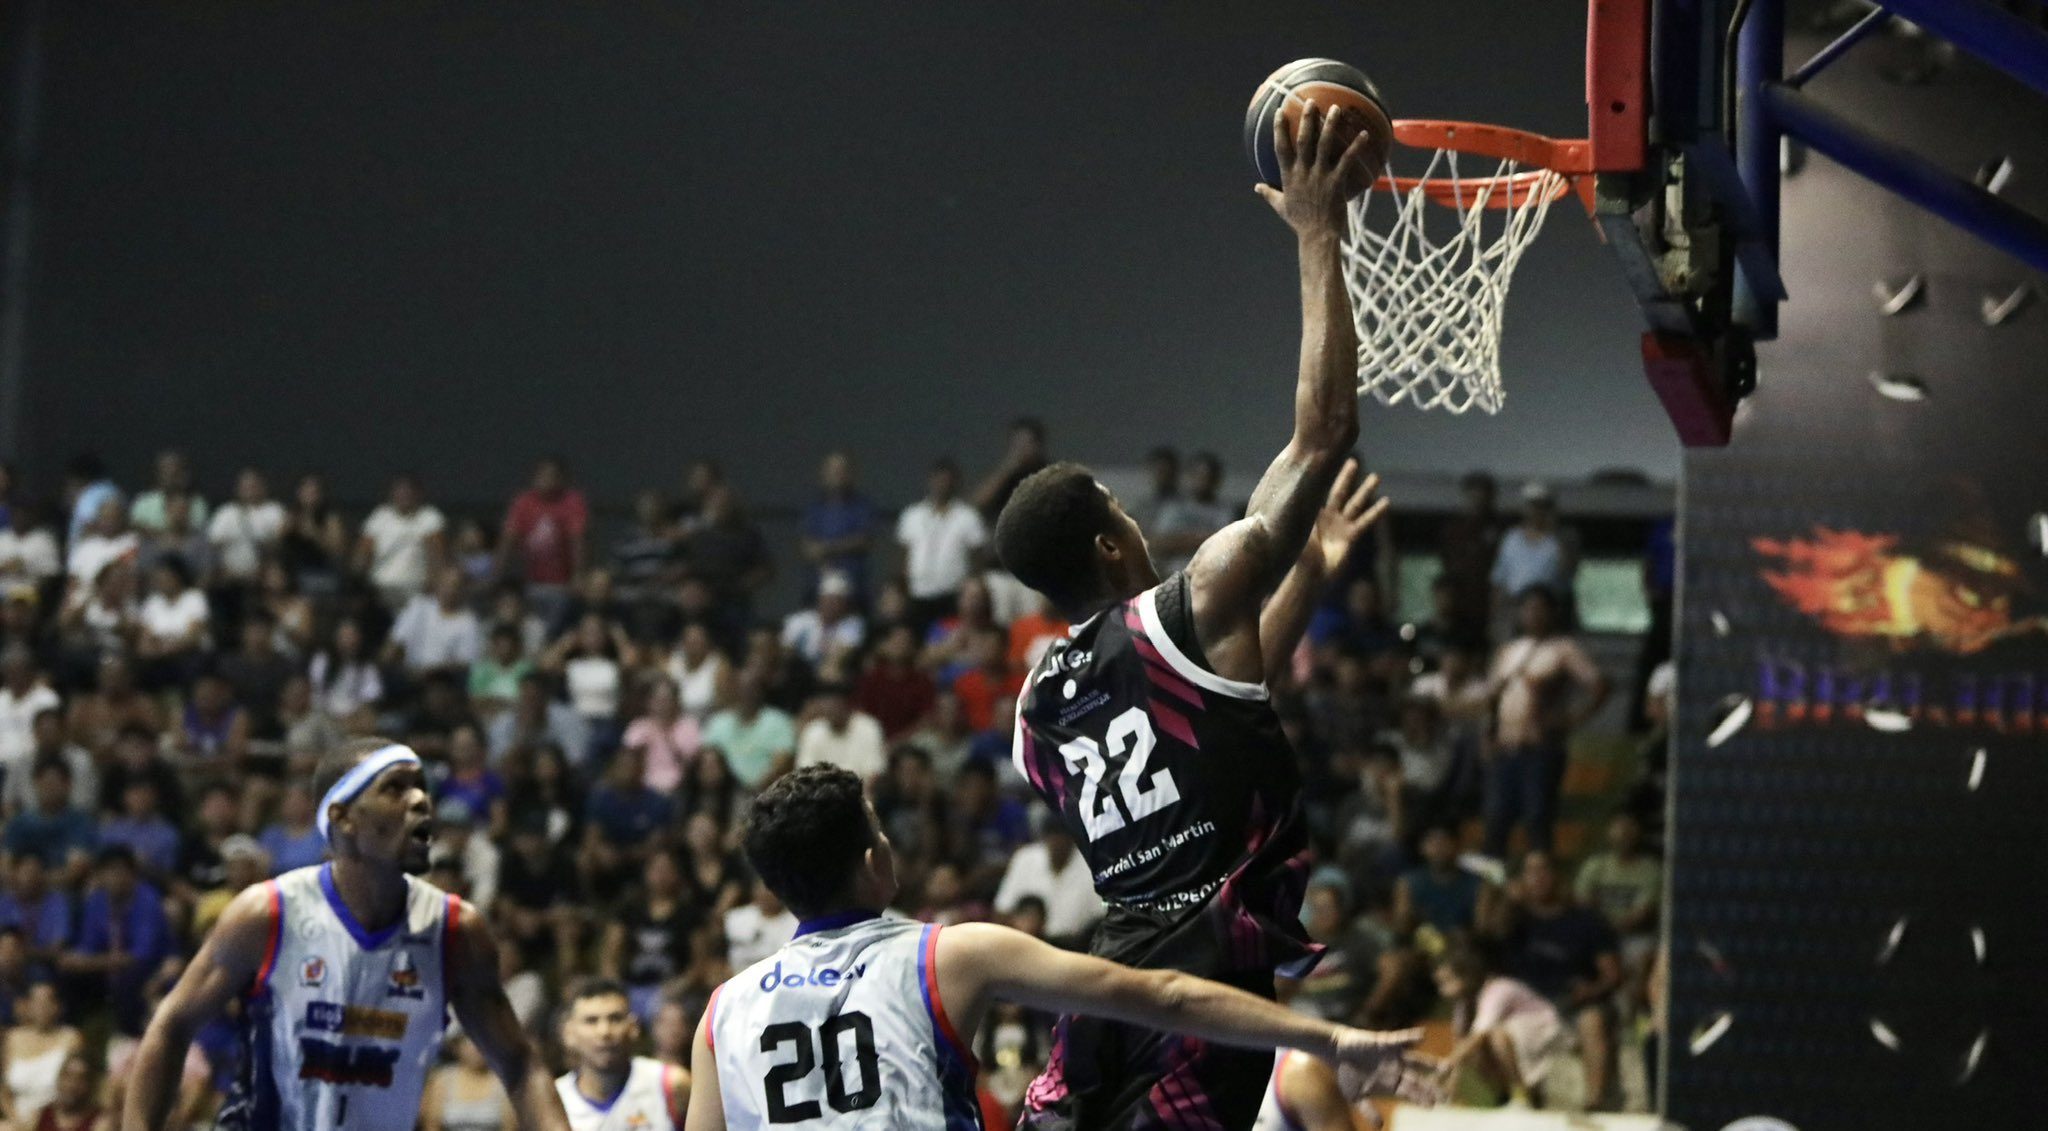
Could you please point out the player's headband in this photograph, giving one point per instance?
(354, 782)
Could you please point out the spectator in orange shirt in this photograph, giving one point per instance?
(1031, 633)
(989, 679)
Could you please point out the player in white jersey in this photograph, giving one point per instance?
(347, 971)
(608, 1088)
(1304, 1096)
(863, 1021)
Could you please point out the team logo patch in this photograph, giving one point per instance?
(313, 972)
(405, 978)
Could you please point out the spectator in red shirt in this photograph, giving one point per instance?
(990, 678)
(543, 539)
(892, 689)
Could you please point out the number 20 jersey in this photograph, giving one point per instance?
(1178, 786)
(842, 1028)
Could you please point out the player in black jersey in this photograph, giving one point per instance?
(1149, 732)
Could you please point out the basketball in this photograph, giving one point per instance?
(1327, 83)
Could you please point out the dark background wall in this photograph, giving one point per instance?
(450, 236)
(1810, 834)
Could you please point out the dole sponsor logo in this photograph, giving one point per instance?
(356, 1020)
(775, 979)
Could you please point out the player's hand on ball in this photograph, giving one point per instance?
(1323, 164)
(1385, 1064)
(1351, 510)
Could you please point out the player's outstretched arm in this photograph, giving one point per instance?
(1234, 572)
(479, 1000)
(224, 967)
(707, 1107)
(978, 962)
(1351, 509)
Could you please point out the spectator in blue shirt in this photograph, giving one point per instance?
(838, 528)
(144, 830)
(984, 827)
(626, 823)
(61, 836)
(39, 912)
(87, 483)
(293, 840)
(123, 936)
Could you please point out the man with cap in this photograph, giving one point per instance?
(1532, 553)
(348, 970)
(831, 626)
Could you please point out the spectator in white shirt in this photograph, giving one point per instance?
(245, 529)
(1184, 523)
(1534, 552)
(173, 622)
(23, 696)
(755, 930)
(28, 549)
(842, 736)
(940, 535)
(1049, 869)
(438, 632)
(404, 542)
(345, 675)
(830, 628)
(105, 539)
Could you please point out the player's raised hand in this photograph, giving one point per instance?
(1323, 164)
(1351, 510)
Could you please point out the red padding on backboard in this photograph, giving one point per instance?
(1694, 395)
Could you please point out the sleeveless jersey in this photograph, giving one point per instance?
(642, 1105)
(1177, 784)
(842, 1028)
(342, 1025)
(1274, 1114)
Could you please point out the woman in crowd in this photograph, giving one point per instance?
(100, 619)
(648, 941)
(949, 646)
(591, 661)
(315, 541)
(541, 787)
(278, 594)
(665, 736)
(703, 675)
(464, 1095)
(1506, 1032)
(36, 1048)
(711, 789)
(345, 674)
(712, 872)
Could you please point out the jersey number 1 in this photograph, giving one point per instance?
(867, 1089)
(1129, 734)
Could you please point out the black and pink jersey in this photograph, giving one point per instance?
(1177, 784)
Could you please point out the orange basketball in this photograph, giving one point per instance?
(1327, 83)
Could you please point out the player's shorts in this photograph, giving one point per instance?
(1106, 1076)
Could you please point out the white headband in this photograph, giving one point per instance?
(354, 782)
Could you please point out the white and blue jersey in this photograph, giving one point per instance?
(641, 1105)
(843, 1028)
(342, 1024)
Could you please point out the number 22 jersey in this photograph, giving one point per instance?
(842, 1028)
(1178, 786)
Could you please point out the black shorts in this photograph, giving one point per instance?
(1106, 1076)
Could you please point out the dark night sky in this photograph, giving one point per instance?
(313, 235)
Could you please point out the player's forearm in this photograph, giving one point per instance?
(152, 1082)
(1326, 392)
(1181, 1003)
(531, 1089)
(1286, 615)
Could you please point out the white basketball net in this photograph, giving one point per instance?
(1429, 283)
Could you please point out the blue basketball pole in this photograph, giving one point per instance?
(1759, 61)
(1894, 167)
(1985, 30)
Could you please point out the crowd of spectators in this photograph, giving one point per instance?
(596, 706)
